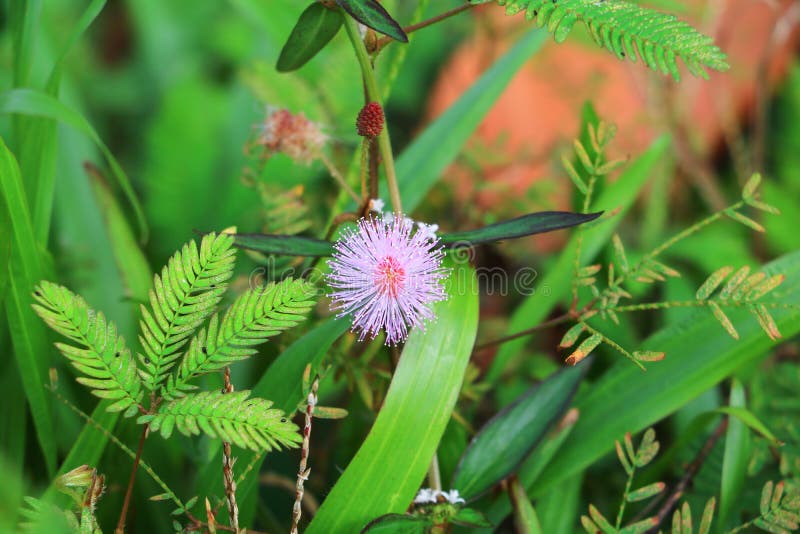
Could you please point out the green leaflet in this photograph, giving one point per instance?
(370, 13)
(734, 460)
(508, 438)
(248, 422)
(618, 25)
(315, 28)
(27, 333)
(627, 400)
(530, 224)
(255, 316)
(385, 473)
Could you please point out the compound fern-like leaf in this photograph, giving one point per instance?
(255, 316)
(190, 286)
(249, 423)
(627, 30)
(101, 354)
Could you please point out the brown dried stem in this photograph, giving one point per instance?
(227, 467)
(304, 471)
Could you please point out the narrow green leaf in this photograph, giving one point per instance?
(370, 13)
(723, 319)
(27, 332)
(734, 282)
(573, 175)
(398, 524)
(40, 104)
(708, 515)
(530, 224)
(314, 29)
(508, 437)
(713, 282)
(619, 253)
(525, 519)
(583, 157)
(736, 455)
(571, 336)
(645, 492)
(744, 219)
(290, 245)
(600, 520)
(391, 463)
(469, 517)
(640, 527)
(584, 349)
(750, 188)
(747, 417)
(766, 321)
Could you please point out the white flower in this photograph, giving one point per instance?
(452, 497)
(425, 496)
(376, 205)
(428, 230)
(432, 496)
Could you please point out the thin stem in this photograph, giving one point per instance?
(698, 304)
(123, 514)
(546, 324)
(383, 41)
(373, 95)
(364, 162)
(614, 345)
(434, 475)
(621, 512)
(587, 200)
(303, 472)
(337, 176)
(227, 467)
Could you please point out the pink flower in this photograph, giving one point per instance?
(294, 135)
(387, 277)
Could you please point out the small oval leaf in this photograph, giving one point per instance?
(314, 29)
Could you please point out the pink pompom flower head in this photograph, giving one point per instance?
(387, 276)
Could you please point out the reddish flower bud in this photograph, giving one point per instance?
(370, 120)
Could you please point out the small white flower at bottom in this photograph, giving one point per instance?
(431, 496)
(376, 205)
(428, 230)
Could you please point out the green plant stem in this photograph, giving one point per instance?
(374, 95)
(621, 511)
(614, 345)
(698, 304)
(587, 200)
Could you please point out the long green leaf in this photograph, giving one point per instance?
(40, 104)
(537, 306)
(504, 442)
(317, 25)
(421, 165)
(525, 519)
(698, 357)
(530, 224)
(27, 332)
(385, 473)
(290, 245)
(735, 458)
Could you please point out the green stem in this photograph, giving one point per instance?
(374, 95)
(696, 304)
(621, 512)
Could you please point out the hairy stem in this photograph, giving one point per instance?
(227, 467)
(373, 95)
(303, 471)
(129, 492)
